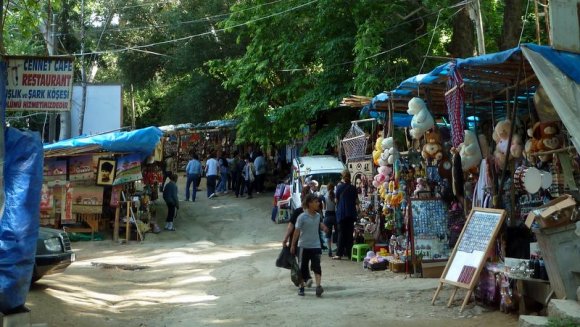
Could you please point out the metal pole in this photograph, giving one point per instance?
(132, 108)
(83, 70)
(51, 52)
(476, 7)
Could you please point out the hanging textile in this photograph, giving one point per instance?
(454, 98)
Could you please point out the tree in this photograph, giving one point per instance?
(512, 24)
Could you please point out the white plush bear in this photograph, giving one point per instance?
(469, 151)
(422, 119)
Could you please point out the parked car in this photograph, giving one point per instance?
(323, 169)
(53, 253)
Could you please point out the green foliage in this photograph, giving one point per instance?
(278, 66)
(561, 322)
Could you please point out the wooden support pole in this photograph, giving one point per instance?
(452, 296)
(128, 223)
(436, 293)
(467, 297)
(116, 224)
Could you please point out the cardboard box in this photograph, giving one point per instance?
(562, 206)
(433, 269)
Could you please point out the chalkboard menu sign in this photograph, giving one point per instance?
(469, 254)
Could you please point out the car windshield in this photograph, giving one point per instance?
(324, 179)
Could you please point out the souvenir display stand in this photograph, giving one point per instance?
(470, 253)
(505, 138)
(181, 141)
(88, 182)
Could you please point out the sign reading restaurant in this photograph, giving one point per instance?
(39, 83)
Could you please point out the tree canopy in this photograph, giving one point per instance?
(274, 65)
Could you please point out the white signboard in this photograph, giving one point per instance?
(103, 109)
(39, 83)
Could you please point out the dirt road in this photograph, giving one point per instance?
(218, 269)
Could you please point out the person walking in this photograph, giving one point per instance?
(249, 176)
(171, 200)
(306, 237)
(329, 205)
(211, 172)
(193, 171)
(240, 180)
(223, 171)
(232, 161)
(260, 164)
(287, 241)
(346, 200)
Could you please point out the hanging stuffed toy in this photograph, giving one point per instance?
(546, 139)
(469, 151)
(422, 120)
(432, 150)
(390, 153)
(501, 134)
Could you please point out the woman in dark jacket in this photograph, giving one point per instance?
(171, 200)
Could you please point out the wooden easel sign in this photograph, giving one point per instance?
(469, 254)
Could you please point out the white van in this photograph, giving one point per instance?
(323, 169)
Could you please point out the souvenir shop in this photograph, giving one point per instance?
(478, 184)
(102, 182)
(180, 142)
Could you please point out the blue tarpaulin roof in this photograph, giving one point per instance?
(142, 141)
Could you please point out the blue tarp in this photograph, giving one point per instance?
(400, 120)
(142, 141)
(567, 62)
(19, 221)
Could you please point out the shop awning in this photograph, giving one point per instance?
(142, 141)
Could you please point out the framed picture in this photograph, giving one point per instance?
(106, 171)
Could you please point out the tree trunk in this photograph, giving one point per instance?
(512, 24)
(462, 43)
(2, 9)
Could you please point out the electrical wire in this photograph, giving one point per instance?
(376, 54)
(178, 23)
(200, 34)
(430, 42)
(524, 23)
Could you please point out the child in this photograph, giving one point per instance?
(306, 236)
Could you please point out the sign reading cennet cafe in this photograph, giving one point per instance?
(39, 83)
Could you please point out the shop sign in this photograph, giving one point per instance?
(39, 83)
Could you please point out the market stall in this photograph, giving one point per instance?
(497, 132)
(87, 179)
(180, 142)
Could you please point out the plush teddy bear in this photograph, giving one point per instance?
(422, 119)
(469, 151)
(501, 134)
(432, 150)
(530, 145)
(547, 139)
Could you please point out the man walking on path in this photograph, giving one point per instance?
(223, 171)
(211, 171)
(193, 171)
(260, 164)
(171, 200)
(346, 201)
(240, 180)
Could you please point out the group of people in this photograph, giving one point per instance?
(303, 232)
(223, 173)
